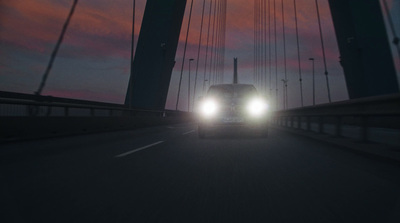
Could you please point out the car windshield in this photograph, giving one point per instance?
(232, 91)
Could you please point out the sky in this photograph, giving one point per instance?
(93, 60)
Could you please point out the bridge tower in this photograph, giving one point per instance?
(363, 44)
(155, 54)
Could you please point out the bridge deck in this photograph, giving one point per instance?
(167, 174)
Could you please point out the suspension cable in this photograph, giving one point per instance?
(260, 40)
(218, 49)
(216, 42)
(257, 25)
(269, 48)
(54, 54)
(323, 52)
(298, 53)
(285, 96)
(198, 49)
(184, 56)
(396, 39)
(265, 45)
(208, 38)
(255, 80)
(221, 42)
(223, 30)
(130, 89)
(276, 58)
(212, 44)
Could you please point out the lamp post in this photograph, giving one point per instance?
(190, 60)
(313, 79)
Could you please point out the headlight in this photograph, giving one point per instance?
(209, 108)
(257, 107)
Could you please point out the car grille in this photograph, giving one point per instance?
(232, 110)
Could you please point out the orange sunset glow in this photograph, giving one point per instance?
(93, 61)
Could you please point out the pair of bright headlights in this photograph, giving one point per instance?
(255, 107)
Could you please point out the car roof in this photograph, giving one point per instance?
(234, 86)
(234, 89)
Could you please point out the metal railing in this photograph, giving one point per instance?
(359, 116)
(18, 104)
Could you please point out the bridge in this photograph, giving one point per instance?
(332, 154)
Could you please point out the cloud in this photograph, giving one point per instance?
(100, 30)
(36, 26)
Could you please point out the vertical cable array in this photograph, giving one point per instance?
(212, 44)
(215, 42)
(262, 41)
(276, 58)
(219, 39)
(261, 15)
(258, 43)
(224, 38)
(216, 48)
(255, 80)
(269, 48)
(255, 73)
(218, 42)
(264, 46)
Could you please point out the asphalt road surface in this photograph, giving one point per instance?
(167, 174)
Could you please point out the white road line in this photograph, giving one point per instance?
(188, 132)
(137, 150)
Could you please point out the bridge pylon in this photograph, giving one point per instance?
(155, 54)
(365, 53)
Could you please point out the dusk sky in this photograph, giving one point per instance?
(93, 61)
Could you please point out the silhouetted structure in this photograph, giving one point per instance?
(155, 53)
(235, 72)
(363, 43)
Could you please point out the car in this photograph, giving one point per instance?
(232, 105)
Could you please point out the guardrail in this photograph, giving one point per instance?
(32, 116)
(17, 104)
(362, 114)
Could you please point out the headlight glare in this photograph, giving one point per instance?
(257, 107)
(209, 108)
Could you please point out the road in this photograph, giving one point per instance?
(167, 174)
